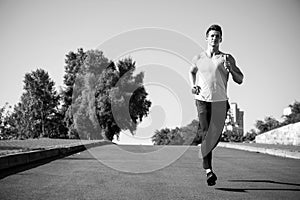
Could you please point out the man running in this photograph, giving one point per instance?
(209, 76)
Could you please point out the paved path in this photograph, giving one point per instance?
(105, 172)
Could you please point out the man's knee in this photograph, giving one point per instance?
(203, 126)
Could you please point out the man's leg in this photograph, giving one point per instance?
(207, 161)
(203, 118)
(204, 115)
(218, 109)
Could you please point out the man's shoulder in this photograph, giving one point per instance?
(227, 54)
(197, 57)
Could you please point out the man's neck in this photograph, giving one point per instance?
(212, 51)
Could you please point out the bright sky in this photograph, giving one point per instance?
(262, 35)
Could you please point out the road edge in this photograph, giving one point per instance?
(22, 158)
(274, 152)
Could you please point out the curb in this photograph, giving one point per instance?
(274, 152)
(12, 160)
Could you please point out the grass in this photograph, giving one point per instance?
(15, 146)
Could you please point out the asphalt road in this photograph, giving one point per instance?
(147, 172)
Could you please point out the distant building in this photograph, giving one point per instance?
(235, 119)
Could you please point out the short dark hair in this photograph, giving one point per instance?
(214, 27)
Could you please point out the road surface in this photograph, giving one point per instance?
(147, 172)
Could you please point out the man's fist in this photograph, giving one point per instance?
(196, 89)
(227, 63)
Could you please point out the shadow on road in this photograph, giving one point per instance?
(258, 189)
(79, 158)
(13, 170)
(265, 181)
(20, 168)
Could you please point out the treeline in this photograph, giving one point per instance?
(270, 123)
(98, 100)
(176, 136)
(186, 134)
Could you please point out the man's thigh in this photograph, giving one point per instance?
(204, 109)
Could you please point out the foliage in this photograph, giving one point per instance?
(232, 132)
(231, 136)
(161, 137)
(268, 124)
(6, 131)
(83, 106)
(35, 115)
(250, 136)
(271, 123)
(177, 136)
(74, 62)
(121, 99)
(294, 116)
(189, 132)
(2, 122)
(168, 136)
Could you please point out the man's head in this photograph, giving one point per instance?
(214, 27)
(214, 35)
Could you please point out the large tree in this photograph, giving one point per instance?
(84, 89)
(34, 116)
(121, 99)
(74, 62)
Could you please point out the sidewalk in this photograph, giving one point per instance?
(20, 152)
(287, 151)
(17, 146)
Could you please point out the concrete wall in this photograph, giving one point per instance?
(288, 135)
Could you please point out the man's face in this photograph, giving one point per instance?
(214, 38)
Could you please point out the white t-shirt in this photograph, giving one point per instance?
(212, 77)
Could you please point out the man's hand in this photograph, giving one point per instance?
(227, 64)
(196, 89)
(230, 66)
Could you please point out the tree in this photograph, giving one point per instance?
(84, 89)
(250, 136)
(268, 124)
(178, 136)
(175, 137)
(189, 132)
(121, 99)
(231, 136)
(161, 137)
(34, 115)
(74, 62)
(294, 116)
(22, 118)
(6, 131)
(2, 121)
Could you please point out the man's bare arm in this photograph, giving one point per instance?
(192, 75)
(236, 73)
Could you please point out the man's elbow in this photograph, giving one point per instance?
(239, 80)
